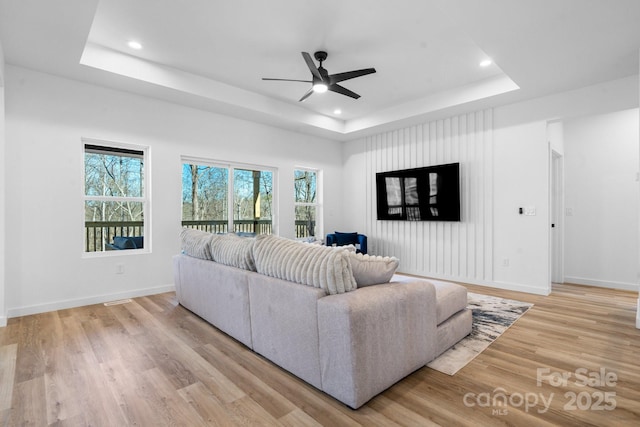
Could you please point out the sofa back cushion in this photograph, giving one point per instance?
(372, 270)
(196, 243)
(233, 250)
(311, 265)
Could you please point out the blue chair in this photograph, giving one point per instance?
(344, 239)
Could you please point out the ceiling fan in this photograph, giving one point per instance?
(322, 81)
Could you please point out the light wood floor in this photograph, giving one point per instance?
(150, 362)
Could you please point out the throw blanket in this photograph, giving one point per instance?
(313, 265)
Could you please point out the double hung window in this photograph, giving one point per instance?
(306, 203)
(116, 200)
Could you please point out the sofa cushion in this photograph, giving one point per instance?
(196, 243)
(233, 250)
(372, 270)
(343, 239)
(451, 298)
(312, 265)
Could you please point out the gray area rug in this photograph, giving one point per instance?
(491, 317)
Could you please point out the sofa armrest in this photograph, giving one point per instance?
(375, 336)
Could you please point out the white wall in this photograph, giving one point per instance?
(3, 317)
(522, 150)
(47, 116)
(601, 193)
(455, 250)
(555, 135)
(518, 163)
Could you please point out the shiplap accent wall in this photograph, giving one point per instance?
(449, 250)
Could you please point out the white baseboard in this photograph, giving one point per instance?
(79, 302)
(602, 283)
(3, 321)
(490, 284)
(518, 287)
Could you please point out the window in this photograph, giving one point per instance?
(219, 198)
(252, 201)
(306, 203)
(205, 192)
(115, 197)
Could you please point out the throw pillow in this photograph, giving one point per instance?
(312, 265)
(372, 270)
(195, 243)
(233, 250)
(343, 239)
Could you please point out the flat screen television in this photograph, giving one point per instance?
(429, 193)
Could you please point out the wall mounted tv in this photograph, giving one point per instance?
(423, 194)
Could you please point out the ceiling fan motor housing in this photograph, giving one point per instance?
(320, 55)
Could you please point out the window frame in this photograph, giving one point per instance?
(231, 167)
(145, 198)
(318, 203)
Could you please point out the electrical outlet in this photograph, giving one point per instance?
(119, 268)
(505, 262)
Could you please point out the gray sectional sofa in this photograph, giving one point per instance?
(350, 342)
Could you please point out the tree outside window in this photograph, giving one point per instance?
(205, 192)
(252, 201)
(219, 199)
(306, 202)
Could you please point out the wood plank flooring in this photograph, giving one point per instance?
(151, 362)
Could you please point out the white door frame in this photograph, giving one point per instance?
(556, 228)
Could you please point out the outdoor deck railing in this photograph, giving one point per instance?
(99, 233)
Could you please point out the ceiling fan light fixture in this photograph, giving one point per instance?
(133, 44)
(320, 87)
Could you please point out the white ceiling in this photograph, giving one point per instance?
(213, 54)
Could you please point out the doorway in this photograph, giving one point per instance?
(557, 218)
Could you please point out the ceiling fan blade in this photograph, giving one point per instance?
(343, 91)
(311, 65)
(339, 77)
(287, 80)
(306, 95)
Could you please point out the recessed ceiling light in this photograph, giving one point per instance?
(134, 45)
(485, 63)
(337, 111)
